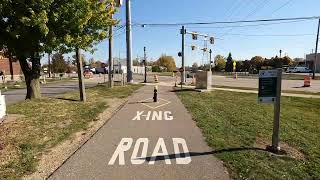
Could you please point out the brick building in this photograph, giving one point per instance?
(5, 67)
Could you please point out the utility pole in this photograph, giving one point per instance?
(49, 64)
(315, 58)
(183, 74)
(110, 63)
(80, 76)
(210, 52)
(145, 64)
(129, 41)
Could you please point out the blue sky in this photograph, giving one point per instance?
(242, 42)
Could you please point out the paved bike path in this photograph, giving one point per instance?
(94, 160)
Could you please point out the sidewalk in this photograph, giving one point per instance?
(133, 144)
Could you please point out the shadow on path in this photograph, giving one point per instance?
(182, 155)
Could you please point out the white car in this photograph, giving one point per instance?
(299, 69)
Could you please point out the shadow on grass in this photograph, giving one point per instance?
(183, 90)
(67, 99)
(192, 154)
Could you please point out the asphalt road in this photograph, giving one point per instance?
(187, 156)
(293, 85)
(51, 89)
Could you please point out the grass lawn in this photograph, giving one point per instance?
(235, 123)
(47, 122)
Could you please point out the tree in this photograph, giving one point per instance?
(167, 62)
(136, 62)
(229, 63)
(240, 66)
(195, 67)
(286, 60)
(59, 64)
(256, 62)
(156, 69)
(82, 59)
(34, 27)
(246, 66)
(219, 62)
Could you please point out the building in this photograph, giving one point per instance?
(7, 70)
(121, 65)
(310, 60)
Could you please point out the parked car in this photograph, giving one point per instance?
(299, 69)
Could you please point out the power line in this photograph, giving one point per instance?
(226, 22)
(249, 25)
(238, 7)
(282, 6)
(260, 6)
(284, 35)
(254, 11)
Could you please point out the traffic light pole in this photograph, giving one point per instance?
(183, 74)
(210, 53)
(145, 64)
(110, 63)
(315, 59)
(129, 41)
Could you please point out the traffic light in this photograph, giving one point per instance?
(193, 48)
(179, 54)
(211, 40)
(194, 36)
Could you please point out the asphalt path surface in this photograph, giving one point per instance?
(142, 144)
(51, 89)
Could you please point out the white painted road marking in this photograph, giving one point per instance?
(161, 102)
(154, 115)
(159, 150)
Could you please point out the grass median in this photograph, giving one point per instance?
(238, 128)
(44, 123)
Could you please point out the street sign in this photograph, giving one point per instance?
(181, 70)
(270, 92)
(268, 86)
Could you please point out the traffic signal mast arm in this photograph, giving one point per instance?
(197, 34)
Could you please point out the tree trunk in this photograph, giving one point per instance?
(32, 76)
(33, 87)
(11, 67)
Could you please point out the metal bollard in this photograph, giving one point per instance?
(155, 94)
